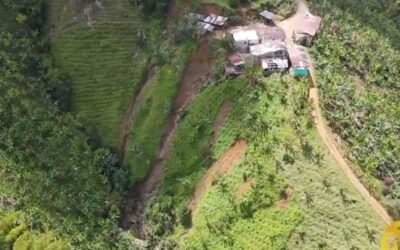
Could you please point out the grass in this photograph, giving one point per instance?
(148, 123)
(264, 115)
(98, 60)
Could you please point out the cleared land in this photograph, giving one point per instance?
(229, 159)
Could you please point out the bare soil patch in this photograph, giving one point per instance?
(220, 119)
(212, 8)
(243, 188)
(282, 203)
(196, 72)
(228, 160)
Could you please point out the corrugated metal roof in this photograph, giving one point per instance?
(310, 25)
(268, 15)
(205, 26)
(215, 20)
(245, 35)
(298, 56)
(267, 47)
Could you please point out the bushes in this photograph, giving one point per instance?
(152, 6)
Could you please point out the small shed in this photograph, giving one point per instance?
(272, 65)
(244, 38)
(269, 49)
(299, 60)
(267, 17)
(308, 28)
(237, 61)
(215, 20)
(231, 71)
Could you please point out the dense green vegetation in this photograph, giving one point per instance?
(358, 70)
(104, 59)
(62, 189)
(51, 176)
(281, 151)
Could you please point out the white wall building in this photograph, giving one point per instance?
(244, 38)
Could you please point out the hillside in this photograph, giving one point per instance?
(125, 125)
(103, 59)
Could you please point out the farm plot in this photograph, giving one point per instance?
(324, 210)
(100, 59)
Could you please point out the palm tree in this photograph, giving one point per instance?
(308, 199)
(254, 74)
(371, 234)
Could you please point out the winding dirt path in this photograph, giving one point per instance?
(229, 159)
(197, 69)
(122, 141)
(289, 25)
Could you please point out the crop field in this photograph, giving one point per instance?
(101, 60)
(324, 210)
(360, 91)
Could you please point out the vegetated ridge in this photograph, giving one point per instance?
(197, 68)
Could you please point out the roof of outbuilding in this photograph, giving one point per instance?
(310, 25)
(245, 35)
(267, 14)
(298, 56)
(236, 59)
(215, 20)
(267, 47)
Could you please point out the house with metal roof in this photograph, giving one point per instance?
(307, 30)
(244, 37)
(268, 49)
(271, 65)
(298, 60)
(266, 16)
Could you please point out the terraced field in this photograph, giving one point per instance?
(100, 59)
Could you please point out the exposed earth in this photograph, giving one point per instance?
(196, 71)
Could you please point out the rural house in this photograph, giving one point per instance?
(269, 49)
(237, 61)
(237, 65)
(308, 28)
(299, 60)
(272, 65)
(266, 16)
(244, 38)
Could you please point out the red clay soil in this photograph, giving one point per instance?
(196, 71)
(211, 8)
(228, 160)
(285, 200)
(220, 119)
(243, 188)
(122, 141)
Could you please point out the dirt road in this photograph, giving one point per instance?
(229, 159)
(289, 25)
(197, 69)
(328, 138)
